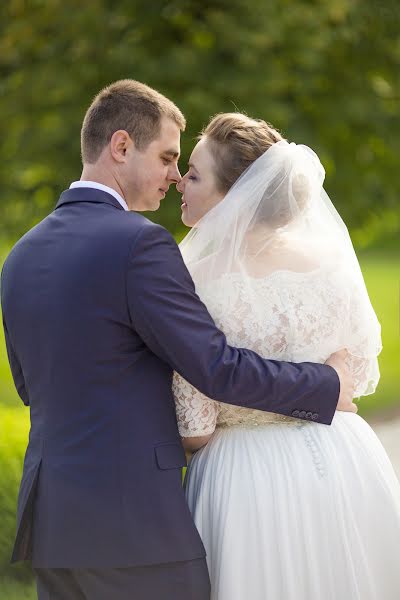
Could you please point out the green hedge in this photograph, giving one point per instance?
(16, 590)
(14, 427)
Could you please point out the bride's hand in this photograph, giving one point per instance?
(337, 361)
(192, 444)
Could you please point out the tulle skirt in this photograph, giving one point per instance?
(298, 511)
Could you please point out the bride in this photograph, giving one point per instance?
(288, 509)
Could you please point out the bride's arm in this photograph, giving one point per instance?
(196, 414)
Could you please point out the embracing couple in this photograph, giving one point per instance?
(245, 346)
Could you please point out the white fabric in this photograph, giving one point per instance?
(103, 188)
(288, 509)
(301, 512)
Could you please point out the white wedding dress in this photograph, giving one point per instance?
(290, 509)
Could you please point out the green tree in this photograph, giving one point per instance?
(324, 72)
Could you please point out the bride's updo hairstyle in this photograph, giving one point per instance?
(235, 142)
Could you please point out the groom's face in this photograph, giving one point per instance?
(147, 175)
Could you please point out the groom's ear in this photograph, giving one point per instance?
(120, 142)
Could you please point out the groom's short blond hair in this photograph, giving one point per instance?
(128, 105)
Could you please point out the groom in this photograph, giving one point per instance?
(98, 310)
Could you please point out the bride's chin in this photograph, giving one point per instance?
(185, 218)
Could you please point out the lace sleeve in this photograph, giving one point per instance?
(196, 414)
(366, 374)
(364, 344)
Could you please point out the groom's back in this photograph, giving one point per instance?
(64, 301)
(104, 441)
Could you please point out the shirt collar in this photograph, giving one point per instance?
(100, 186)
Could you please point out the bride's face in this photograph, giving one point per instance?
(198, 186)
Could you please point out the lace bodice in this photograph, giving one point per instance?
(304, 317)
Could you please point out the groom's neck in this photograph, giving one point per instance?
(99, 174)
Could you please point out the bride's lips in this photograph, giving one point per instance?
(183, 205)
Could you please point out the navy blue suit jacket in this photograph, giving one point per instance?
(98, 309)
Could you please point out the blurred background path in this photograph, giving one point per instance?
(388, 432)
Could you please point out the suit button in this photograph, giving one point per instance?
(315, 416)
(309, 415)
(295, 413)
(302, 414)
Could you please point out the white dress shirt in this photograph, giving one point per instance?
(100, 186)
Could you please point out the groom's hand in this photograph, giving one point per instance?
(337, 360)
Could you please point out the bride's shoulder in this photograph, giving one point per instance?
(291, 256)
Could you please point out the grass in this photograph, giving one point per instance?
(8, 394)
(16, 590)
(14, 427)
(382, 276)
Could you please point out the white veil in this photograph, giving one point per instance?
(278, 217)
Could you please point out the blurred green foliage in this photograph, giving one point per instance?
(381, 271)
(14, 425)
(324, 72)
(15, 590)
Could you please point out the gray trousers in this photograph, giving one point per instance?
(171, 581)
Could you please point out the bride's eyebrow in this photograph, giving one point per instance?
(192, 166)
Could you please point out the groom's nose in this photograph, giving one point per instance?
(174, 176)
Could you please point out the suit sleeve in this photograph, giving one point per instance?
(176, 326)
(16, 368)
